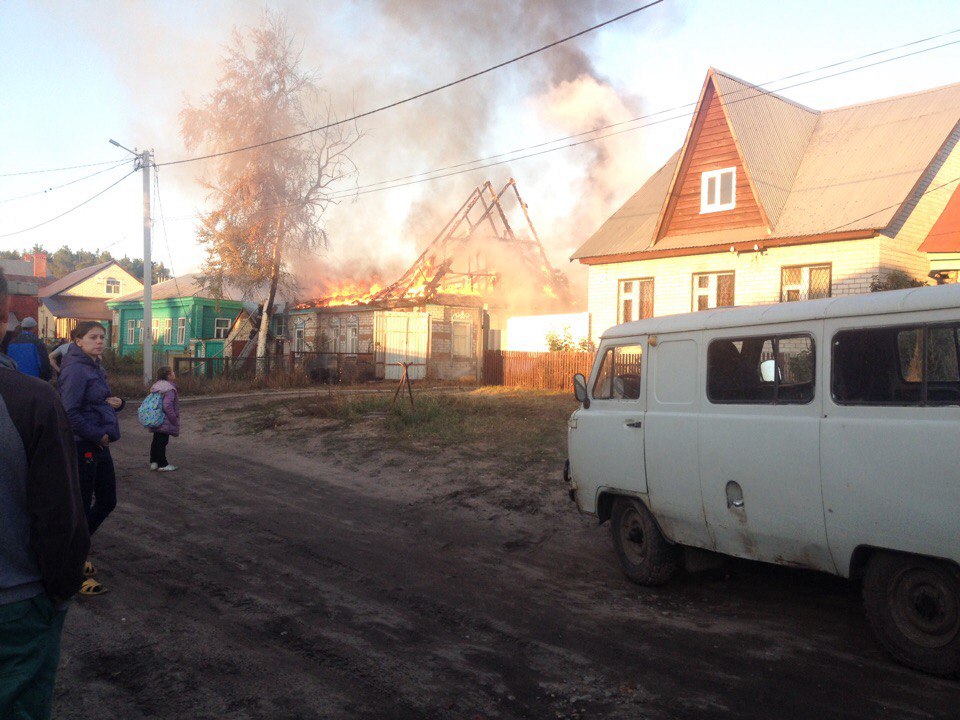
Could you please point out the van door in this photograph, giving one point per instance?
(759, 449)
(606, 448)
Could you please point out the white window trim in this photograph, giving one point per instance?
(112, 286)
(218, 328)
(711, 290)
(705, 178)
(181, 330)
(803, 287)
(131, 331)
(167, 330)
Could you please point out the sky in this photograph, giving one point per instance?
(75, 75)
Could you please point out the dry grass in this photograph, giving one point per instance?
(520, 426)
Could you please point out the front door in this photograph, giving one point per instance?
(607, 445)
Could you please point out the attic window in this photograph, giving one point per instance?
(113, 286)
(718, 190)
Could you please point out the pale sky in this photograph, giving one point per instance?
(74, 75)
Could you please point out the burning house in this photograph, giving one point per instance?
(446, 309)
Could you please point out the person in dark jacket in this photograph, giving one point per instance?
(92, 411)
(43, 536)
(171, 420)
(29, 352)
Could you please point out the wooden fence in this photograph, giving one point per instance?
(536, 370)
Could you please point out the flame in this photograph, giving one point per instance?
(345, 292)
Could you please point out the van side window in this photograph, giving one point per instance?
(776, 369)
(619, 375)
(897, 366)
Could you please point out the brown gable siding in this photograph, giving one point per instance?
(712, 147)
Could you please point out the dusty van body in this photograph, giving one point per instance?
(821, 434)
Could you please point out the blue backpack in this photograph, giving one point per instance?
(150, 413)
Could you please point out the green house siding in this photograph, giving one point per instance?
(199, 318)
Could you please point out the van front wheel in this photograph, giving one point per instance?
(913, 604)
(645, 555)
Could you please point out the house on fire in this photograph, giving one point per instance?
(448, 307)
(770, 201)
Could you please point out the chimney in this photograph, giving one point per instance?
(39, 263)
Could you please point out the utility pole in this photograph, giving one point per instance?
(144, 162)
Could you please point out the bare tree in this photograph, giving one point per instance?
(270, 199)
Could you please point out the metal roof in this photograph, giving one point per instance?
(937, 297)
(182, 287)
(842, 170)
(77, 276)
(76, 307)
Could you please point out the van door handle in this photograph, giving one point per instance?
(634, 423)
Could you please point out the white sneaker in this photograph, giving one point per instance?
(154, 466)
(167, 468)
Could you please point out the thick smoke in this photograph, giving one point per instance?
(379, 52)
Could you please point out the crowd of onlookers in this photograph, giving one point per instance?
(58, 419)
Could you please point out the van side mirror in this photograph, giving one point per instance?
(580, 389)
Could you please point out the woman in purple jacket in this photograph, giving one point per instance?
(92, 411)
(171, 420)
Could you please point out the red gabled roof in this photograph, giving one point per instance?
(944, 236)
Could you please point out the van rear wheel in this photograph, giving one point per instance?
(913, 604)
(645, 555)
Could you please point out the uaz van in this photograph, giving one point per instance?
(821, 434)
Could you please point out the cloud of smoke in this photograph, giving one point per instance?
(378, 52)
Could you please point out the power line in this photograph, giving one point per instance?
(67, 212)
(166, 242)
(677, 107)
(422, 94)
(60, 169)
(72, 182)
(398, 182)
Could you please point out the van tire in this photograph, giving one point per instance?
(645, 556)
(913, 604)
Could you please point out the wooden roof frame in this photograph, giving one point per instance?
(683, 162)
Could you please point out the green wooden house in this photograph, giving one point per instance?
(187, 321)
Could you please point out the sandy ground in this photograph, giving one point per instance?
(306, 576)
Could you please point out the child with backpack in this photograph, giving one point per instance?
(160, 414)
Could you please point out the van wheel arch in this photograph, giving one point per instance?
(646, 556)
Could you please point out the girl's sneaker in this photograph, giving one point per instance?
(167, 468)
(154, 466)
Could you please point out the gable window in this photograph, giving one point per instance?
(636, 299)
(713, 290)
(806, 282)
(718, 190)
(221, 328)
(181, 331)
(112, 286)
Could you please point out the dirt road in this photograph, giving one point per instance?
(269, 581)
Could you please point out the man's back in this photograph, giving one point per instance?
(30, 354)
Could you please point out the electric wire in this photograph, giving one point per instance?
(166, 241)
(423, 94)
(67, 212)
(59, 169)
(58, 187)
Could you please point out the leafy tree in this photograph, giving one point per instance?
(894, 280)
(563, 341)
(64, 261)
(269, 200)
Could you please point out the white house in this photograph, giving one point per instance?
(770, 201)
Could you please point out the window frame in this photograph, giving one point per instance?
(924, 383)
(602, 359)
(167, 330)
(775, 339)
(711, 289)
(707, 207)
(635, 297)
(181, 331)
(466, 329)
(805, 280)
(218, 328)
(112, 286)
(131, 332)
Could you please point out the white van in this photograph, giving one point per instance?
(821, 434)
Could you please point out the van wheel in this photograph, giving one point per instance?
(913, 604)
(644, 553)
